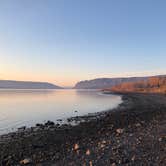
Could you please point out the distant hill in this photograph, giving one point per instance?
(8, 84)
(152, 85)
(101, 83)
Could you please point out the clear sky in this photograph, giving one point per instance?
(65, 41)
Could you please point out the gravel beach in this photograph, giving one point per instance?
(134, 134)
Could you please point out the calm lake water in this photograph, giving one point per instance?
(28, 107)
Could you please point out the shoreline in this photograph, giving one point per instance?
(106, 138)
(70, 120)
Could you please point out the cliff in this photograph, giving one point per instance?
(152, 85)
(101, 83)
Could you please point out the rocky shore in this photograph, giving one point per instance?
(132, 134)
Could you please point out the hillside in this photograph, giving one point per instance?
(152, 85)
(101, 83)
(8, 84)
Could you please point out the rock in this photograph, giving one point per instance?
(102, 145)
(76, 147)
(160, 139)
(22, 128)
(138, 125)
(39, 125)
(133, 158)
(69, 120)
(90, 163)
(26, 161)
(49, 123)
(88, 152)
(119, 131)
(60, 120)
(103, 142)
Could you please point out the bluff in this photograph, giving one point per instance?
(152, 85)
(8, 84)
(101, 83)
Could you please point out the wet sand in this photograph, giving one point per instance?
(132, 134)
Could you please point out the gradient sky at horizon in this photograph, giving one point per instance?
(65, 41)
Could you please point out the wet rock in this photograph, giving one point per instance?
(39, 125)
(59, 120)
(69, 120)
(22, 128)
(49, 123)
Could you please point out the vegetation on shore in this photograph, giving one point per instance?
(152, 85)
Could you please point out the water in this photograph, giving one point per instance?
(28, 107)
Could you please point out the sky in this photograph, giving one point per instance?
(65, 41)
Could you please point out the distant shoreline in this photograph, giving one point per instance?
(108, 134)
(10, 84)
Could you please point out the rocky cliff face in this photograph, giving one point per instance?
(152, 85)
(7, 84)
(106, 82)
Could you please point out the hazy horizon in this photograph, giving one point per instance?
(71, 86)
(62, 42)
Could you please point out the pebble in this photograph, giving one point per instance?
(88, 152)
(76, 147)
(160, 139)
(119, 131)
(138, 125)
(90, 163)
(133, 158)
(26, 161)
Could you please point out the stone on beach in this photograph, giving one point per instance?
(119, 131)
(76, 147)
(26, 161)
(90, 163)
(88, 152)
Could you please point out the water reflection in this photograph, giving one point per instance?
(28, 107)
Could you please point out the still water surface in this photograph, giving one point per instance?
(28, 107)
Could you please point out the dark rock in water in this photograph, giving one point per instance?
(39, 125)
(22, 128)
(49, 123)
(60, 120)
(69, 120)
(57, 125)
